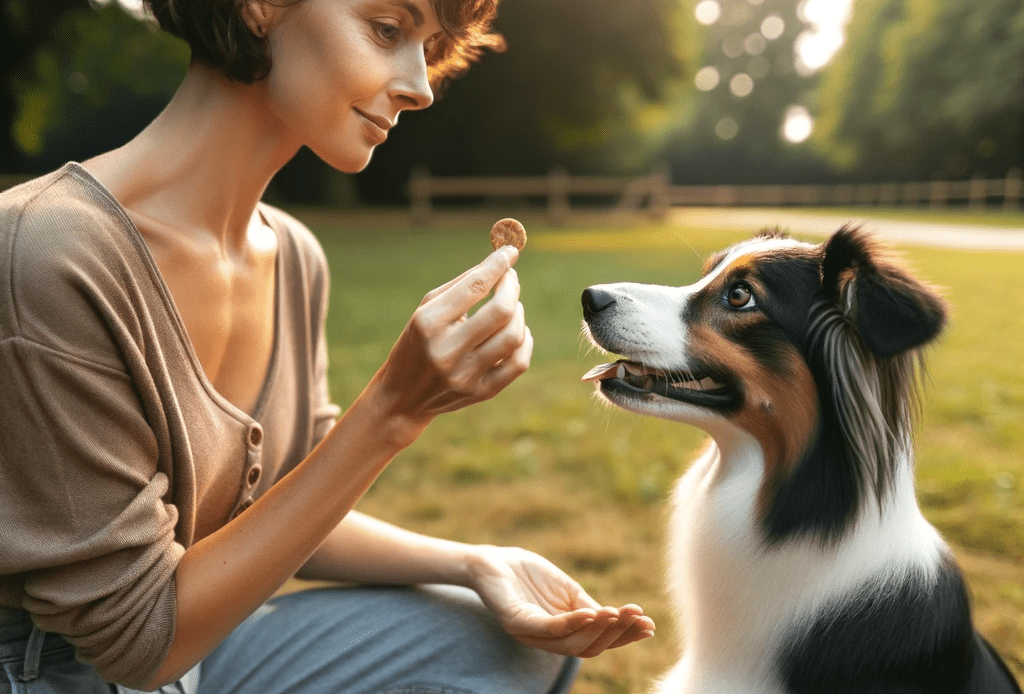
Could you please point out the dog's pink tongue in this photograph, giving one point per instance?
(601, 372)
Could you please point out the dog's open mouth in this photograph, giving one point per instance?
(692, 387)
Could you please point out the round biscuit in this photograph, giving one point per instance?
(508, 232)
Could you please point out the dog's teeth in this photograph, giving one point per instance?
(707, 383)
(620, 372)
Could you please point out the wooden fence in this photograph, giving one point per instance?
(654, 193)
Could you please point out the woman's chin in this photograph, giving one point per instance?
(348, 162)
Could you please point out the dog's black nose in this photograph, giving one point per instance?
(596, 300)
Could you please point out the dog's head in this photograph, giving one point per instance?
(809, 350)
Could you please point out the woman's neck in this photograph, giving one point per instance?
(203, 164)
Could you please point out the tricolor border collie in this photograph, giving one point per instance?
(799, 561)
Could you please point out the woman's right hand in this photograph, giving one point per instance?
(446, 359)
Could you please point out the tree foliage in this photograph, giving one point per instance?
(927, 88)
(86, 81)
(730, 131)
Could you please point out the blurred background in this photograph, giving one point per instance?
(703, 91)
(634, 138)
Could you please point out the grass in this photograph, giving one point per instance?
(544, 466)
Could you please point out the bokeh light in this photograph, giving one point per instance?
(708, 12)
(815, 47)
(741, 85)
(754, 44)
(797, 125)
(707, 78)
(727, 128)
(773, 27)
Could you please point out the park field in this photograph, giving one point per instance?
(547, 467)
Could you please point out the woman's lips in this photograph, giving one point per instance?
(377, 126)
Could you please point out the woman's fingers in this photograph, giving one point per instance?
(453, 300)
(643, 628)
(511, 367)
(494, 315)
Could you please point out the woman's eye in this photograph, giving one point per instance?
(388, 32)
(740, 296)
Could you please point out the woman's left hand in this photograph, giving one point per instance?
(539, 605)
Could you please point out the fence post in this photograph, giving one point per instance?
(659, 201)
(419, 196)
(558, 195)
(889, 194)
(938, 195)
(1012, 188)
(977, 193)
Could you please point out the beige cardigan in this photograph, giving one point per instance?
(116, 453)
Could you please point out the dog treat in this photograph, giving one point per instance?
(508, 232)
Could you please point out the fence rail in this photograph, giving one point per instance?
(655, 194)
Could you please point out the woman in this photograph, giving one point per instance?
(168, 453)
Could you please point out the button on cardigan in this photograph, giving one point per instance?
(116, 452)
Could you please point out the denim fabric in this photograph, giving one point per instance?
(35, 663)
(429, 640)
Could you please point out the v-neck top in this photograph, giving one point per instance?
(116, 451)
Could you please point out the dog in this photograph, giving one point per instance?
(798, 559)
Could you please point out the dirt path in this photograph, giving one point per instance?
(945, 235)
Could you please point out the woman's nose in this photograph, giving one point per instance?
(412, 87)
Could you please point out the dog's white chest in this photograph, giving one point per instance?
(730, 633)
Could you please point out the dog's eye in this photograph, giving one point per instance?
(740, 296)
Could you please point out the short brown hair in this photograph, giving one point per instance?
(218, 37)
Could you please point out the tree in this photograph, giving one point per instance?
(927, 88)
(88, 81)
(25, 25)
(747, 82)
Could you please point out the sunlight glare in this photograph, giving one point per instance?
(708, 12)
(797, 125)
(815, 47)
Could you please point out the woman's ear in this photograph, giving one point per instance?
(892, 311)
(258, 15)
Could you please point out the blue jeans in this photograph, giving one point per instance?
(368, 640)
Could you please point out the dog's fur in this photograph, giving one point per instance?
(799, 561)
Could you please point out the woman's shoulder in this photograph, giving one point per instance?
(65, 245)
(59, 212)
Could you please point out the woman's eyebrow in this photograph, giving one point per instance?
(414, 12)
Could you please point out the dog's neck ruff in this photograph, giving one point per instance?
(737, 599)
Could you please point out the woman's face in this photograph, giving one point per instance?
(344, 69)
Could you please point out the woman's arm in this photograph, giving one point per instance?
(530, 597)
(362, 549)
(443, 360)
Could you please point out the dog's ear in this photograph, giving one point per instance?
(892, 311)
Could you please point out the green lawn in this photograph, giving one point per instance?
(547, 467)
